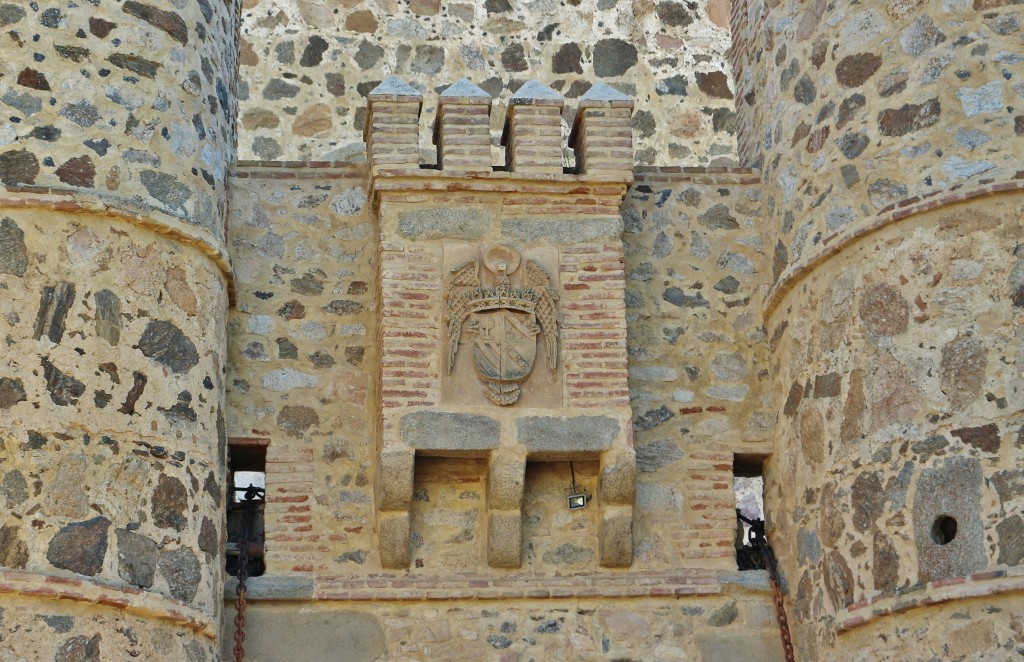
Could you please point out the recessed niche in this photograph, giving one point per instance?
(944, 530)
(557, 539)
(448, 526)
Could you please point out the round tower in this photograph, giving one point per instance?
(116, 127)
(891, 137)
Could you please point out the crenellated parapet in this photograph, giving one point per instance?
(534, 143)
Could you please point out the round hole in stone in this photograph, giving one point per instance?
(943, 530)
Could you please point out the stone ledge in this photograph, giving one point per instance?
(837, 241)
(481, 587)
(938, 592)
(265, 589)
(146, 216)
(124, 598)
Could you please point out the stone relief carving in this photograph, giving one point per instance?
(504, 320)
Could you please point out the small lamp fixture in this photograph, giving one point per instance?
(577, 498)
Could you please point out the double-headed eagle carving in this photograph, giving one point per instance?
(504, 321)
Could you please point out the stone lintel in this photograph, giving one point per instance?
(449, 431)
(567, 436)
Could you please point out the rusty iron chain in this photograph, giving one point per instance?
(249, 499)
(759, 541)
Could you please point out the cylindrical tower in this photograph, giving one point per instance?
(117, 123)
(891, 137)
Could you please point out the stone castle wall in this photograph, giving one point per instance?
(306, 67)
(890, 149)
(117, 127)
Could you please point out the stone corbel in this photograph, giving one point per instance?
(394, 499)
(506, 478)
(616, 492)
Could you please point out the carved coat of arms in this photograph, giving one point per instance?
(504, 320)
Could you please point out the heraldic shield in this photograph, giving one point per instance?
(504, 321)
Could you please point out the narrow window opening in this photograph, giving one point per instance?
(748, 486)
(247, 482)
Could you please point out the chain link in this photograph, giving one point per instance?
(759, 541)
(249, 500)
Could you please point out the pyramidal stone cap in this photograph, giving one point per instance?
(394, 88)
(464, 91)
(534, 92)
(602, 94)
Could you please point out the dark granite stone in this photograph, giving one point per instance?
(77, 171)
(12, 391)
(567, 59)
(848, 108)
(64, 389)
(80, 546)
(719, 218)
(209, 540)
(13, 257)
(885, 565)
(852, 144)
(951, 489)
(828, 386)
(18, 167)
(854, 70)
(100, 28)
(805, 92)
(10, 14)
(82, 113)
(838, 580)
(13, 489)
(728, 285)
(725, 615)
(714, 84)
(33, 79)
(867, 499)
(677, 297)
(672, 86)
(135, 64)
(166, 344)
(985, 437)
(136, 558)
(513, 58)
(167, 21)
(313, 54)
(613, 57)
(54, 303)
(277, 89)
(657, 454)
(909, 118)
(108, 316)
(674, 14)
(796, 394)
(170, 504)
(1011, 541)
(13, 550)
(181, 569)
(80, 648)
(166, 188)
